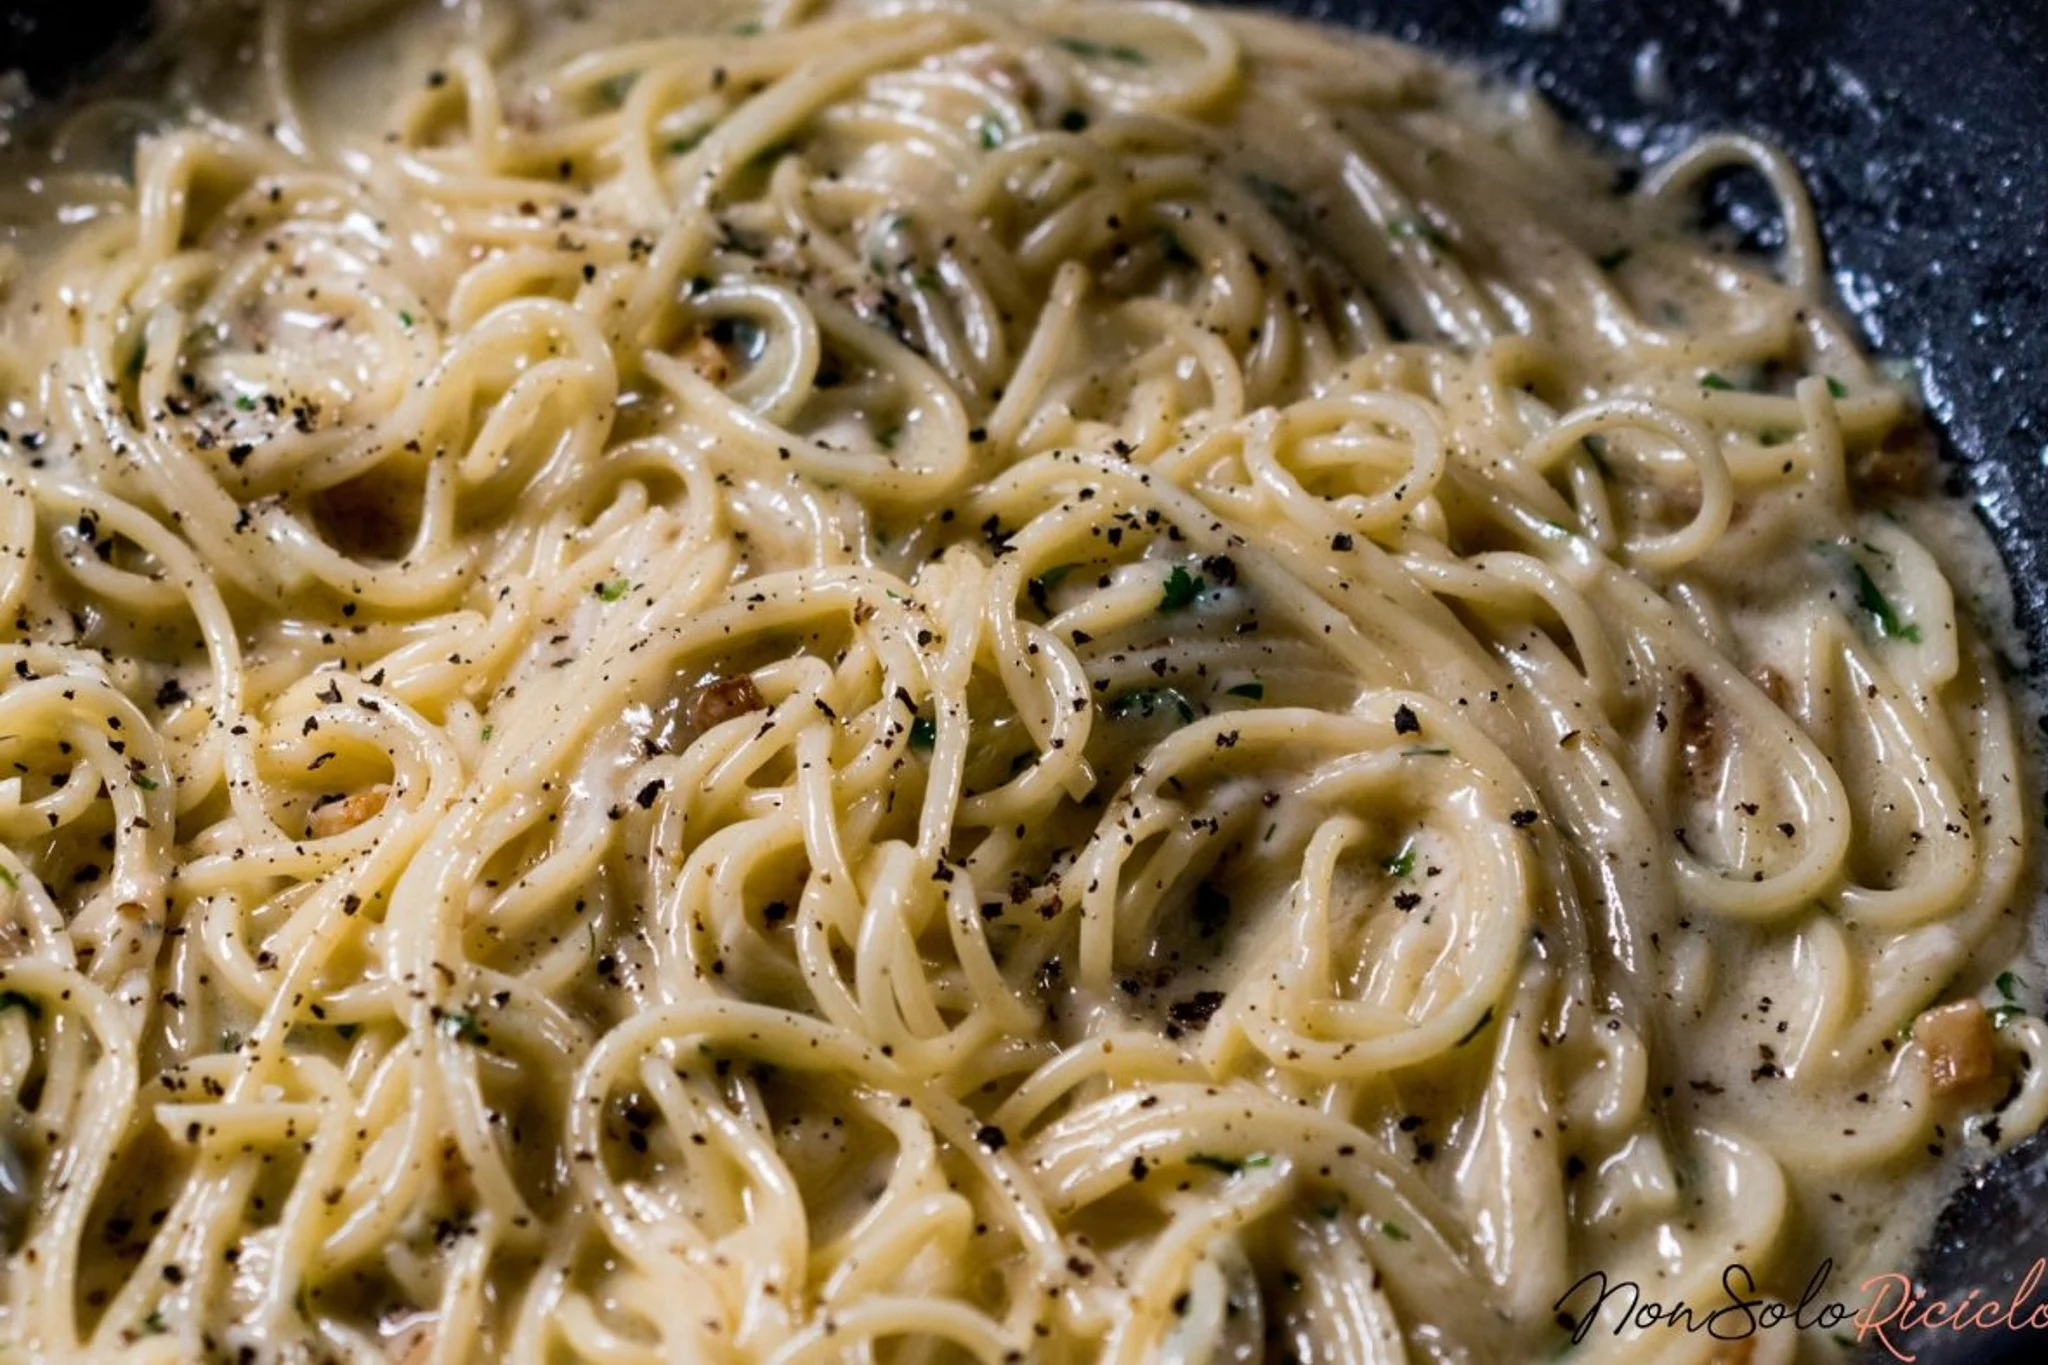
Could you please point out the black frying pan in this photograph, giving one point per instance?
(1922, 126)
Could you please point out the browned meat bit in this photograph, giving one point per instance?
(413, 1345)
(1698, 726)
(707, 358)
(1005, 73)
(1955, 1040)
(1905, 462)
(338, 813)
(715, 703)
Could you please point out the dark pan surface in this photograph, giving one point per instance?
(1922, 126)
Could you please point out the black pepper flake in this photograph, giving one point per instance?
(1405, 722)
(1522, 819)
(648, 793)
(1196, 1010)
(992, 1137)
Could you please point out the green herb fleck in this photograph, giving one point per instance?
(154, 1325)
(2009, 985)
(1222, 1164)
(613, 589)
(1777, 436)
(244, 403)
(1251, 691)
(1402, 864)
(489, 730)
(1149, 702)
(990, 133)
(15, 1000)
(1837, 388)
(1257, 1161)
(405, 320)
(1281, 198)
(1420, 230)
(1872, 599)
(8, 878)
(145, 781)
(1716, 383)
(924, 733)
(1395, 1232)
(1183, 589)
(463, 1027)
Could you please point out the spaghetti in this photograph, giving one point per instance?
(956, 681)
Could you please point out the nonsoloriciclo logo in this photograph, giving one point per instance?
(1891, 1309)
